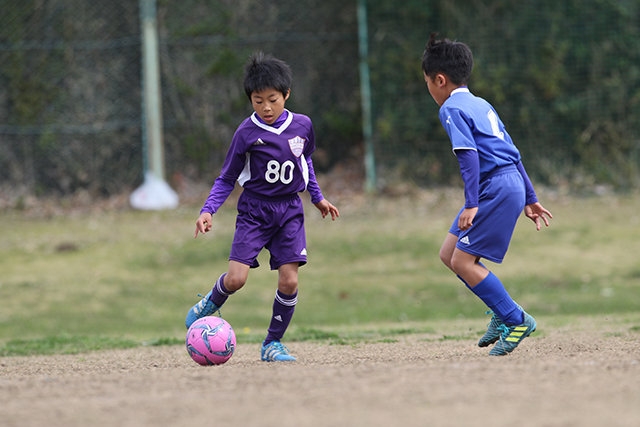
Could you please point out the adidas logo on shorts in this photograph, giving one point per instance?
(465, 240)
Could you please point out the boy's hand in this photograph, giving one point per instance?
(327, 208)
(203, 224)
(535, 211)
(465, 221)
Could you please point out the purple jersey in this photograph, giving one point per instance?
(269, 161)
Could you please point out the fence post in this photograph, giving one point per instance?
(151, 99)
(155, 193)
(365, 99)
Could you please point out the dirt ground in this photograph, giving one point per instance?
(581, 374)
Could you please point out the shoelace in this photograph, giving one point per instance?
(494, 319)
(280, 347)
(214, 311)
(504, 328)
(504, 332)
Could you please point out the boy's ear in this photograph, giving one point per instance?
(441, 80)
(287, 95)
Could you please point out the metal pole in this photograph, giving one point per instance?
(152, 133)
(365, 99)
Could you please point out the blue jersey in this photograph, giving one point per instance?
(473, 124)
(268, 161)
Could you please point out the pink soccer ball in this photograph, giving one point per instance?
(211, 341)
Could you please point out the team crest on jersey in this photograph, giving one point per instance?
(297, 145)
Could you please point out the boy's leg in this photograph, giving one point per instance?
(446, 251)
(226, 285)
(446, 254)
(284, 306)
(512, 324)
(487, 287)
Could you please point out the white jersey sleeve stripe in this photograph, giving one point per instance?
(245, 175)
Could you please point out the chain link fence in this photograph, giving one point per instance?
(70, 92)
(565, 78)
(69, 96)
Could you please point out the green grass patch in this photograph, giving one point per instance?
(129, 277)
(75, 345)
(63, 345)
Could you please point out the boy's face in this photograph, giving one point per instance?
(437, 88)
(269, 104)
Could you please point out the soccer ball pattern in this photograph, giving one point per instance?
(211, 341)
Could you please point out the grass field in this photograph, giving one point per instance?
(86, 281)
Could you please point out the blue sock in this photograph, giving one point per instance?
(219, 293)
(283, 308)
(495, 296)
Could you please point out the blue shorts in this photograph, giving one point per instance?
(277, 225)
(500, 203)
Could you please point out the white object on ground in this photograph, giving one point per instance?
(153, 195)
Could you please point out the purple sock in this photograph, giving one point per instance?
(219, 293)
(283, 308)
(492, 292)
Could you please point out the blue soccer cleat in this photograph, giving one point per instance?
(512, 336)
(204, 308)
(276, 352)
(493, 331)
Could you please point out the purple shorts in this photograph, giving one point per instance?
(277, 225)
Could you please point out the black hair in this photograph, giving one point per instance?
(453, 59)
(263, 71)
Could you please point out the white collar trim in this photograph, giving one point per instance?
(460, 90)
(277, 131)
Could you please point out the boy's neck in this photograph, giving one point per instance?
(457, 89)
(278, 121)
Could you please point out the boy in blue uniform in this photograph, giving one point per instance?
(496, 189)
(270, 157)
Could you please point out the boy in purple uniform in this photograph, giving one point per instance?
(270, 157)
(496, 189)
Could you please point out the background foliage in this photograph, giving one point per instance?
(564, 76)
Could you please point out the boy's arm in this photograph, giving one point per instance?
(323, 205)
(203, 224)
(529, 191)
(317, 198)
(327, 208)
(233, 165)
(220, 191)
(312, 187)
(533, 209)
(470, 171)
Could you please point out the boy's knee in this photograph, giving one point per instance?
(288, 285)
(460, 265)
(456, 265)
(234, 282)
(446, 259)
